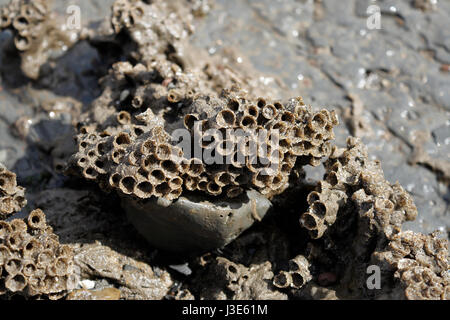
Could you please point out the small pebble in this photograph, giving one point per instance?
(87, 284)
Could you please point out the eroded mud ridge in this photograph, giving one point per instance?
(318, 240)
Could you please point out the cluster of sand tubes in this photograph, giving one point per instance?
(420, 263)
(135, 154)
(32, 261)
(25, 18)
(296, 276)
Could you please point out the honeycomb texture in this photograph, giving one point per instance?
(131, 149)
(227, 280)
(32, 261)
(420, 263)
(352, 183)
(135, 280)
(156, 35)
(296, 276)
(12, 196)
(367, 213)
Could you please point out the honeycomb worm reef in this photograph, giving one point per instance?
(128, 142)
(355, 183)
(32, 261)
(296, 276)
(355, 200)
(420, 266)
(125, 139)
(38, 33)
(12, 196)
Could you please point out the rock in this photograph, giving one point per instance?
(192, 224)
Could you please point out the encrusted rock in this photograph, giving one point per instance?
(183, 226)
